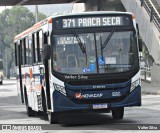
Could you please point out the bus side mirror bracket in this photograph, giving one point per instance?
(140, 43)
(46, 52)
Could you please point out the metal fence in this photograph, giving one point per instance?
(152, 12)
(146, 73)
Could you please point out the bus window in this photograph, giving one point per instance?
(36, 50)
(68, 56)
(17, 54)
(15, 46)
(30, 51)
(119, 54)
(24, 51)
(40, 45)
(27, 51)
(33, 48)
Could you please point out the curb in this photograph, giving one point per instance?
(145, 80)
(151, 93)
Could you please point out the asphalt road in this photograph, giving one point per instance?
(13, 112)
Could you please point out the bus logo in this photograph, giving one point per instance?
(80, 96)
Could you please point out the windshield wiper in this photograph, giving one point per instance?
(81, 45)
(79, 41)
(101, 46)
(108, 39)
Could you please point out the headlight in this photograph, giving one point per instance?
(134, 85)
(60, 89)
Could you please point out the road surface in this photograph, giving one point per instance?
(13, 112)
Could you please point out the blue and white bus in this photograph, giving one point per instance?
(79, 62)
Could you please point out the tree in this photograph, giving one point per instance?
(13, 21)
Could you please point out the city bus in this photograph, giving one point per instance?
(79, 62)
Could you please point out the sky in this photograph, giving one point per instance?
(47, 9)
(3, 8)
(54, 8)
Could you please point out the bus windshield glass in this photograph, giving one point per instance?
(117, 54)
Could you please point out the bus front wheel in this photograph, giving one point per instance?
(118, 113)
(53, 117)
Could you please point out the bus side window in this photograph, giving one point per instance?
(24, 51)
(18, 63)
(27, 52)
(36, 50)
(40, 45)
(16, 53)
(21, 55)
(33, 48)
(30, 51)
(21, 52)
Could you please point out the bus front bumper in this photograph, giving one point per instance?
(61, 103)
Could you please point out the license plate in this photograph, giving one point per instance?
(100, 106)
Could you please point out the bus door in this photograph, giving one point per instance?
(19, 59)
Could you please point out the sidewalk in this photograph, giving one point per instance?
(147, 88)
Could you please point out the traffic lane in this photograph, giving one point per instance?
(12, 111)
(10, 106)
(88, 118)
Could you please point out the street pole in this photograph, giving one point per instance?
(6, 66)
(36, 13)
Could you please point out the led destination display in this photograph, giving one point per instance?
(100, 21)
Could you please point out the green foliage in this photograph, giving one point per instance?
(41, 16)
(12, 22)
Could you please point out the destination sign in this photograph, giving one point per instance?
(92, 22)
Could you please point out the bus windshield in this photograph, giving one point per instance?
(118, 54)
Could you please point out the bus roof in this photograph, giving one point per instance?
(34, 27)
(92, 13)
(46, 21)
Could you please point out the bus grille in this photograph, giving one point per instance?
(97, 82)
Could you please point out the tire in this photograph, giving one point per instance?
(118, 113)
(53, 117)
(30, 112)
